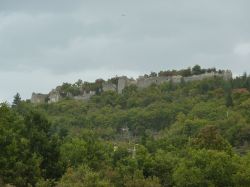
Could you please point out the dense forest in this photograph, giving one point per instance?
(193, 134)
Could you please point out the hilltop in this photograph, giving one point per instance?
(84, 90)
(187, 133)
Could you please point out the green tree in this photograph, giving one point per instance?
(186, 72)
(161, 165)
(205, 168)
(44, 144)
(17, 100)
(153, 74)
(242, 176)
(74, 152)
(138, 180)
(210, 138)
(19, 166)
(196, 70)
(83, 176)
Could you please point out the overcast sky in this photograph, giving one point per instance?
(46, 42)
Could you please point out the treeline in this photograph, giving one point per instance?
(196, 70)
(187, 134)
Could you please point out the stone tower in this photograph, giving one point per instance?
(122, 83)
(227, 75)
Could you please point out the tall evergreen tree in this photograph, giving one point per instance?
(17, 100)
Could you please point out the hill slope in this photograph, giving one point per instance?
(187, 134)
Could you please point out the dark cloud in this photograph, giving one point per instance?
(61, 37)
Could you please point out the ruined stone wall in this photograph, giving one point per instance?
(146, 82)
(196, 78)
(161, 80)
(176, 79)
(124, 82)
(54, 96)
(108, 86)
(226, 75)
(38, 98)
(85, 96)
(141, 82)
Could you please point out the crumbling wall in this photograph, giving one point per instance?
(226, 75)
(86, 96)
(176, 79)
(38, 98)
(122, 83)
(54, 96)
(141, 82)
(144, 82)
(108, 86)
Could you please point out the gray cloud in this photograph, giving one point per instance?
(62, 38)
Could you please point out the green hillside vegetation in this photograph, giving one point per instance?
(193, 134)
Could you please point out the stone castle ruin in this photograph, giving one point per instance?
(144, 82)
(54, 96)
(109, 86)
(38, 98)
(123, 82)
